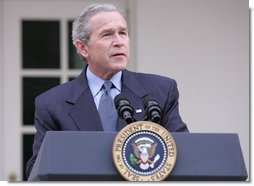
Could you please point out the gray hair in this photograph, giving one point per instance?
(81, 28)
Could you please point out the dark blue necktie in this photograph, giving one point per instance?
(107, 110)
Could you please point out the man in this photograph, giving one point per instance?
(100, 35)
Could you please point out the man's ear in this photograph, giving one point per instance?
(82, 48)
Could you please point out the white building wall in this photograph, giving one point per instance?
(1, 90)
(204, 45)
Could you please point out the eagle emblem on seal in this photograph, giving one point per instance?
(144, 150)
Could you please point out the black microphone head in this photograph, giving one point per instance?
(152, 108)
(118, 98)
(147, 99)
(124, 109)
(121, 101)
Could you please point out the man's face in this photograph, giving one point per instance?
(107, 51)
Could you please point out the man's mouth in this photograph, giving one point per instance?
(118, 54)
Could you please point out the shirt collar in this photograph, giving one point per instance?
(95, 83)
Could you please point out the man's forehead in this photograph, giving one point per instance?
(104, 18)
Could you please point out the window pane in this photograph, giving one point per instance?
(27, 151)
(75, 61)
(71, 78)
(41, 44)
(32, 87)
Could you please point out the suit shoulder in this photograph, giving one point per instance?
(154, 78)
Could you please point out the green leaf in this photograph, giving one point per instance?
(133, 159)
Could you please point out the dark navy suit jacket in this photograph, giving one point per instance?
(70, 106)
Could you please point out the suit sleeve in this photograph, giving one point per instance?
(43, 122)
(171, 118)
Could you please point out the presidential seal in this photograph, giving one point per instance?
(144, 151)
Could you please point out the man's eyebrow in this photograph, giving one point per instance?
(124, 28)
(112, 29)
(107, 30)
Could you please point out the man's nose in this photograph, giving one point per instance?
(117, 40)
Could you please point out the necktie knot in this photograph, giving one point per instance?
(107, 85)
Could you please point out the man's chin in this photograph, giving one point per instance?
(121, 66)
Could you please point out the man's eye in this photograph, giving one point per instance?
(106, 35)
(123, 33)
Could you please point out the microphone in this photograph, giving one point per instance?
(152, 108)
(124, 109)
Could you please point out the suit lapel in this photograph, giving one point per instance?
(86, 117)
(84, 112)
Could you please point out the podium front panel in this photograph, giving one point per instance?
(87, 156)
